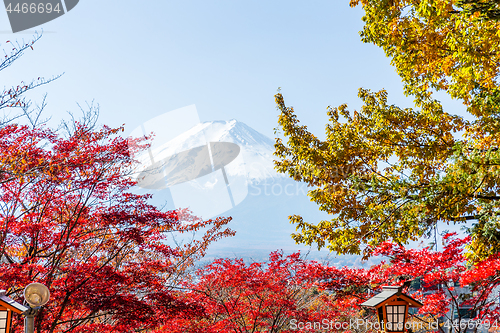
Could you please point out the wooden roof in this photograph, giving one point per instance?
(387, 293)
(10, 304)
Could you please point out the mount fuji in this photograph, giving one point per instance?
(261, 198)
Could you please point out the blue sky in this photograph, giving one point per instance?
(141, 59)
(138, 60)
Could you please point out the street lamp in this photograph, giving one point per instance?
(392, 308)
(36, 295)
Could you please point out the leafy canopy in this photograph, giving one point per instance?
(384, 172)
(69, 219)
(277, 295)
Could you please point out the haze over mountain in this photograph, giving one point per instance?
(260, 199)
(256, 149)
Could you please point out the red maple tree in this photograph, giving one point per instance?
(69, 221)
(289, 294)
(256, 297)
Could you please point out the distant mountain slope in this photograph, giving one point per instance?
(256, 161)
(261, 217)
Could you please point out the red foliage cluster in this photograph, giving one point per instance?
(275, 296)
(67, 220)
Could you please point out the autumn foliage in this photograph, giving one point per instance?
(286, 293)
(387, 175)
(390, 173)
(256, 297)
(70, 222)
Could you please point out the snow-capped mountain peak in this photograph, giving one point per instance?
(256, 149)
